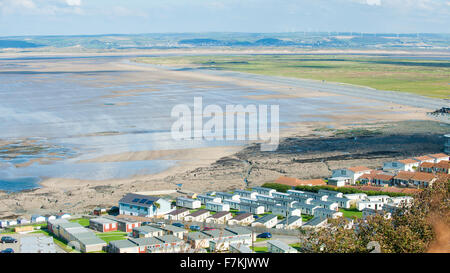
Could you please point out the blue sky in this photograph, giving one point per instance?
(71, 17)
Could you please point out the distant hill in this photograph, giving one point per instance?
(17, 44)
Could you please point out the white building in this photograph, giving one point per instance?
(283, 211)
(268, 221)
(401, 165)
(229, 196)
(275, 246)
(331, 193)
(327, 213)
(263, 191)
(214, 206)
(188, 203)
(352, 173)
(234, 204)
(242, 219)
(376, 205)
(207, 198)
(252, 208)
(247, 194)
(35, 218)
(291, 222)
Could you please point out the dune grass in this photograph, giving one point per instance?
(423, 77)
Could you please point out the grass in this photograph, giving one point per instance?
(259, 249)
(306, 218)
(350, 213)
(423, 77)
(297, 246)
(82, 221)
(112, 236)
(261, 239)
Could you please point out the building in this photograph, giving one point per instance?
(147, 245)
(63, 215)
(123, 246)
(423, 159)
(422, 180)
(442, 166)
(268, 221)
(263, 191)
(99, 211)
(439, 157)
(376, 205)
(352, 173)
(326, 204)
(252, 208)
(36, 218)
(226, 195)
(339, 181)
(244, 234)
(144, 205)
(284, 211)
(124, 224)
(234, 204)
(403, 178)
(219, 218)
(291, 222)
(372, 212)
(208, 198)
(23, 221)
(327, 213)
(178, 214)
(49, 217)
(242, 219)
(331, 193)
(37, 244)
(239, 248)
(12, 223)
(197, 216)
(103, 224)
(213, 206)
(147, 231)
(275, 246)
(307, 209)
(401, 165)
(188, 203)
(341, 201)
(169, 244)
(175, 231)
(316, 223)
(247, 194)
(263, 197)
(281, 196)
(198, 240)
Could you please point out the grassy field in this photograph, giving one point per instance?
(82, 221)
(112, 236)
(259, 249)
(423, 77)
(351, 213)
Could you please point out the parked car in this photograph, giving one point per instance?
(180, 225)
(265, 235)
(208, 228)
(146, 223)
(8, 250)
(194, 228)
(8, 240)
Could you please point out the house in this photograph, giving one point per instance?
(422, 180)
(281, 195)
(219, 235)
(239, 248)
(327, 213)
(268, 205)
(124, 224)
(36, 218)
(268, 221)
(147, 231)
(198, 240)
(355, 196)
(144, 205)
(197, 216)
(23, 221)
(177, 214)
(123, 246)
(326, 204)
(63, 215)
(219, 218)
(401, 165)
(263, 191)
(400, 201)
(382, 179)
(226, 195)
(3, 223)
(12, 223)
(377, 205)
(275, 246)
(291, 222)
(169, 244)
(439, 157)
(423, 159)
(103, 224)
(145, 245)
(208, 198)
(99, 211)
(331, 193)
(294, 182)
(403, 178)
(245, 235)
(372, 212)
(339, 181)
(224, 245)
(188, 203)
(252, 208)
(341, 201)
(352, 173)
(442, 166)
(316, 222)
(234, 204)
(213, 206)
(242, 219)
(49, 217)
(307, 209)
(246, 200)
(247, 194)
(284, 211)
(263, 197)
(175, 231)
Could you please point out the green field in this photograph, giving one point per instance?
(350, 213)
(82, 221)
(112, 236)
(423, 77)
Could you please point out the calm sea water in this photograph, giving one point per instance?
(67, 114)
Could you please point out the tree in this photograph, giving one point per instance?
(411, 229)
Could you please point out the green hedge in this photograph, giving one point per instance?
(284, 188)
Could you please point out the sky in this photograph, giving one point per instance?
(77, 17)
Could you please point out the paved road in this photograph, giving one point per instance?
(284, 238)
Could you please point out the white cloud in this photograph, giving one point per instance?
(73, 2)
(373, 2)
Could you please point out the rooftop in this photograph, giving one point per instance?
(139, 200)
